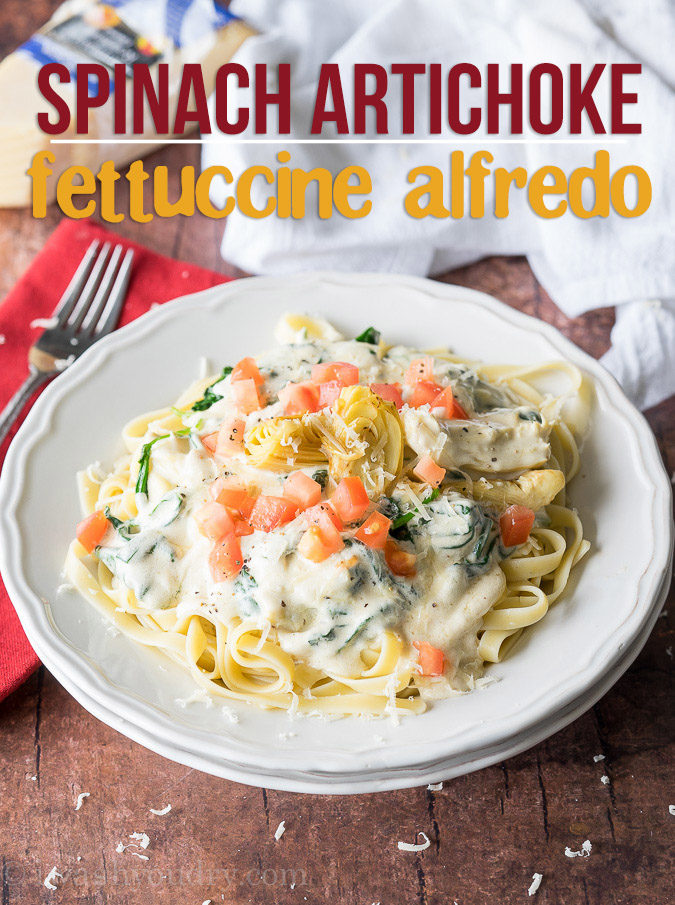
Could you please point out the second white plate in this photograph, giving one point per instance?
(622, 493)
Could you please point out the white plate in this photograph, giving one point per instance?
(557, 670)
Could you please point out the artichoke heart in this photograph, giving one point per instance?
(281, 444)
(371, 432)
(534, 489)
(359, 435)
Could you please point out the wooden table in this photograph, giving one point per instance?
(490, 831)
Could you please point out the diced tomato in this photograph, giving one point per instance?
(228, 491)
(431, 659)
(270, 512)
(329, 392)
(424, 393)
(242, 527)
(298, 398)
(245, 395)
(399, 561)
(226, 560)
(515, 525)
(446, 400)
(302, 490)
(91, 530)
(320, 542)
(323, 513)
(214, 520)
(231, 437)
(246, 506)
(420, 369)
(374, 531)
(350, 499)
(342, 371)
(247, 369)
(390, 392)
(210, 441)
(427, 470)
(459, 412)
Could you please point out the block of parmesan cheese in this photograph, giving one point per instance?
(119, 31)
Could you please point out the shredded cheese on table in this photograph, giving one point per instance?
(435, 786)
(80, 800)
(280, 830)
(584, 852)
(415, 847)
(139, 840)
(535, 884)
(51, 876)
(162, 811)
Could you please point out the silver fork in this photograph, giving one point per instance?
(89, 309)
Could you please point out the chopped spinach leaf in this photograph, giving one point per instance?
(166, 511)
(243, 592)
(407, 516)
(357, 631)
(330, 634)
(144, 462)
(210, 396)
(115, 522)
(401, 533)
(369, 335)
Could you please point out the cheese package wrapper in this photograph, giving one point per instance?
(174, 32)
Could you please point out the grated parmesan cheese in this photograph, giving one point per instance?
(604, 780)
(162, 811)
(535, 884)
(264, 625)
(228, 714)
(584, 852)
(671, 809)
(200, 696)
(51, 876)
(80, 800)
(139, 840)
(62, 363)
(416, 501)
(598, 757)
(45, 322)
(415, 847)
(435, 786)
(280, 830)
(204, 368)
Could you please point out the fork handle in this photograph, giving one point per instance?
(15, 405)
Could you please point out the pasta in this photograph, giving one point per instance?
(339, 526)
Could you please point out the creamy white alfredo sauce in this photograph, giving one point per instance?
(326, 613)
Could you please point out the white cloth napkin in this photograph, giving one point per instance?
(582, 263)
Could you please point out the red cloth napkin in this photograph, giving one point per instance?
(155, 279)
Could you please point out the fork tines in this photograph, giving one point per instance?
(92, 303)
